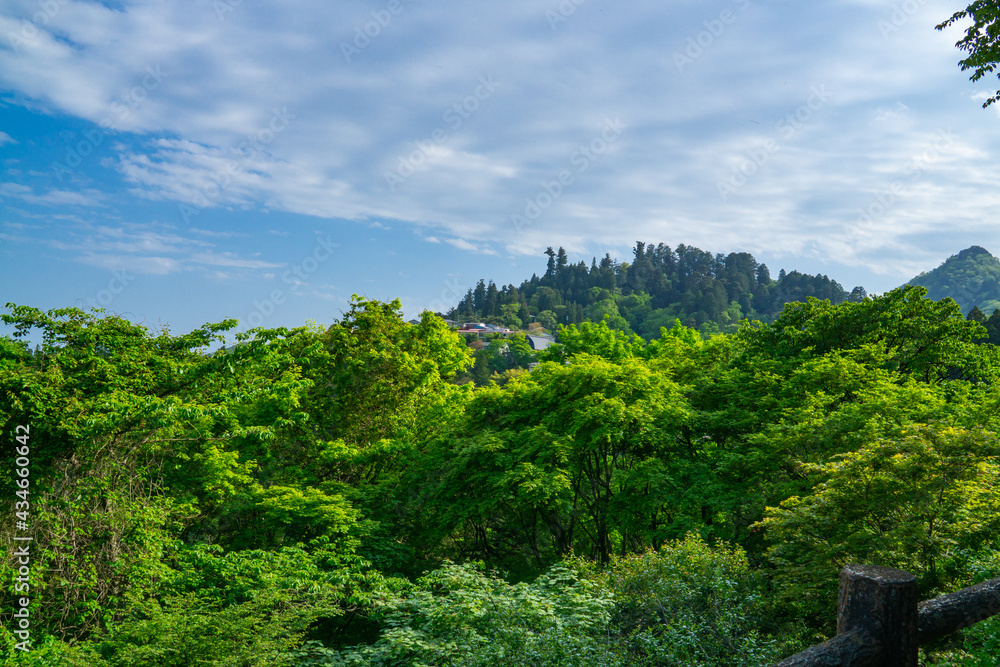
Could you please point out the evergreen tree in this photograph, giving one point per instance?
(481, 370)
(550, 270)
(858, 294)
(561, 259)
(993, 327)
(479, 297)
(491, 304)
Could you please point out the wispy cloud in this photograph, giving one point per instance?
(151, 249)
(87, 198)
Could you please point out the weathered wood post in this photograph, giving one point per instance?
(881, 602)
(880, 624)
(876, 622)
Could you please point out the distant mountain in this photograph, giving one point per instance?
(972, 278)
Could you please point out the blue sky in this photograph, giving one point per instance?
(182, 162)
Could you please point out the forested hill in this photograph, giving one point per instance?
(972, 278)
(705, 291)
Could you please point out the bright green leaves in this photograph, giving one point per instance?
(688, 604)
(432, 339)
(685, 604)
(981, 40)
(824, 380)
(854, 432)
(380, 369)
(244, 608)
(914, 502)
(222, 473)
(460, 615)
(506, 357)
(301, 514)
(542, 460)
(598, 339)
(915, 336)
(138, 439)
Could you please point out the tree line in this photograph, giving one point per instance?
(708, 292)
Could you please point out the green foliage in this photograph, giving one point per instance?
(376, 368)
(916, 502)
(912, 335)
(504, 354)
(820, 381)
(568, 456)
(548, 320)
(688, 604)
(262, 502)
(599, 339)
(980, 40)
(46, 653)
(460, 615)
(188, 631)
(241, 608)
(302, 514)
(113, 412)
(140, 442)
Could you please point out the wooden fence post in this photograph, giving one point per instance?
(882, 602)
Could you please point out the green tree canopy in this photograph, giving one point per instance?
(981, 40)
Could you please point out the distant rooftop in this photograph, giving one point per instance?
(540, 342)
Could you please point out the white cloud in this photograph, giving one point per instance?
(462, 244)
(88, 198)
(146, 265)
(230, 260)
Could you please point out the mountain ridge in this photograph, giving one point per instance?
(971, 277)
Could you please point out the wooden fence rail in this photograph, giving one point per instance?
(880, 623)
